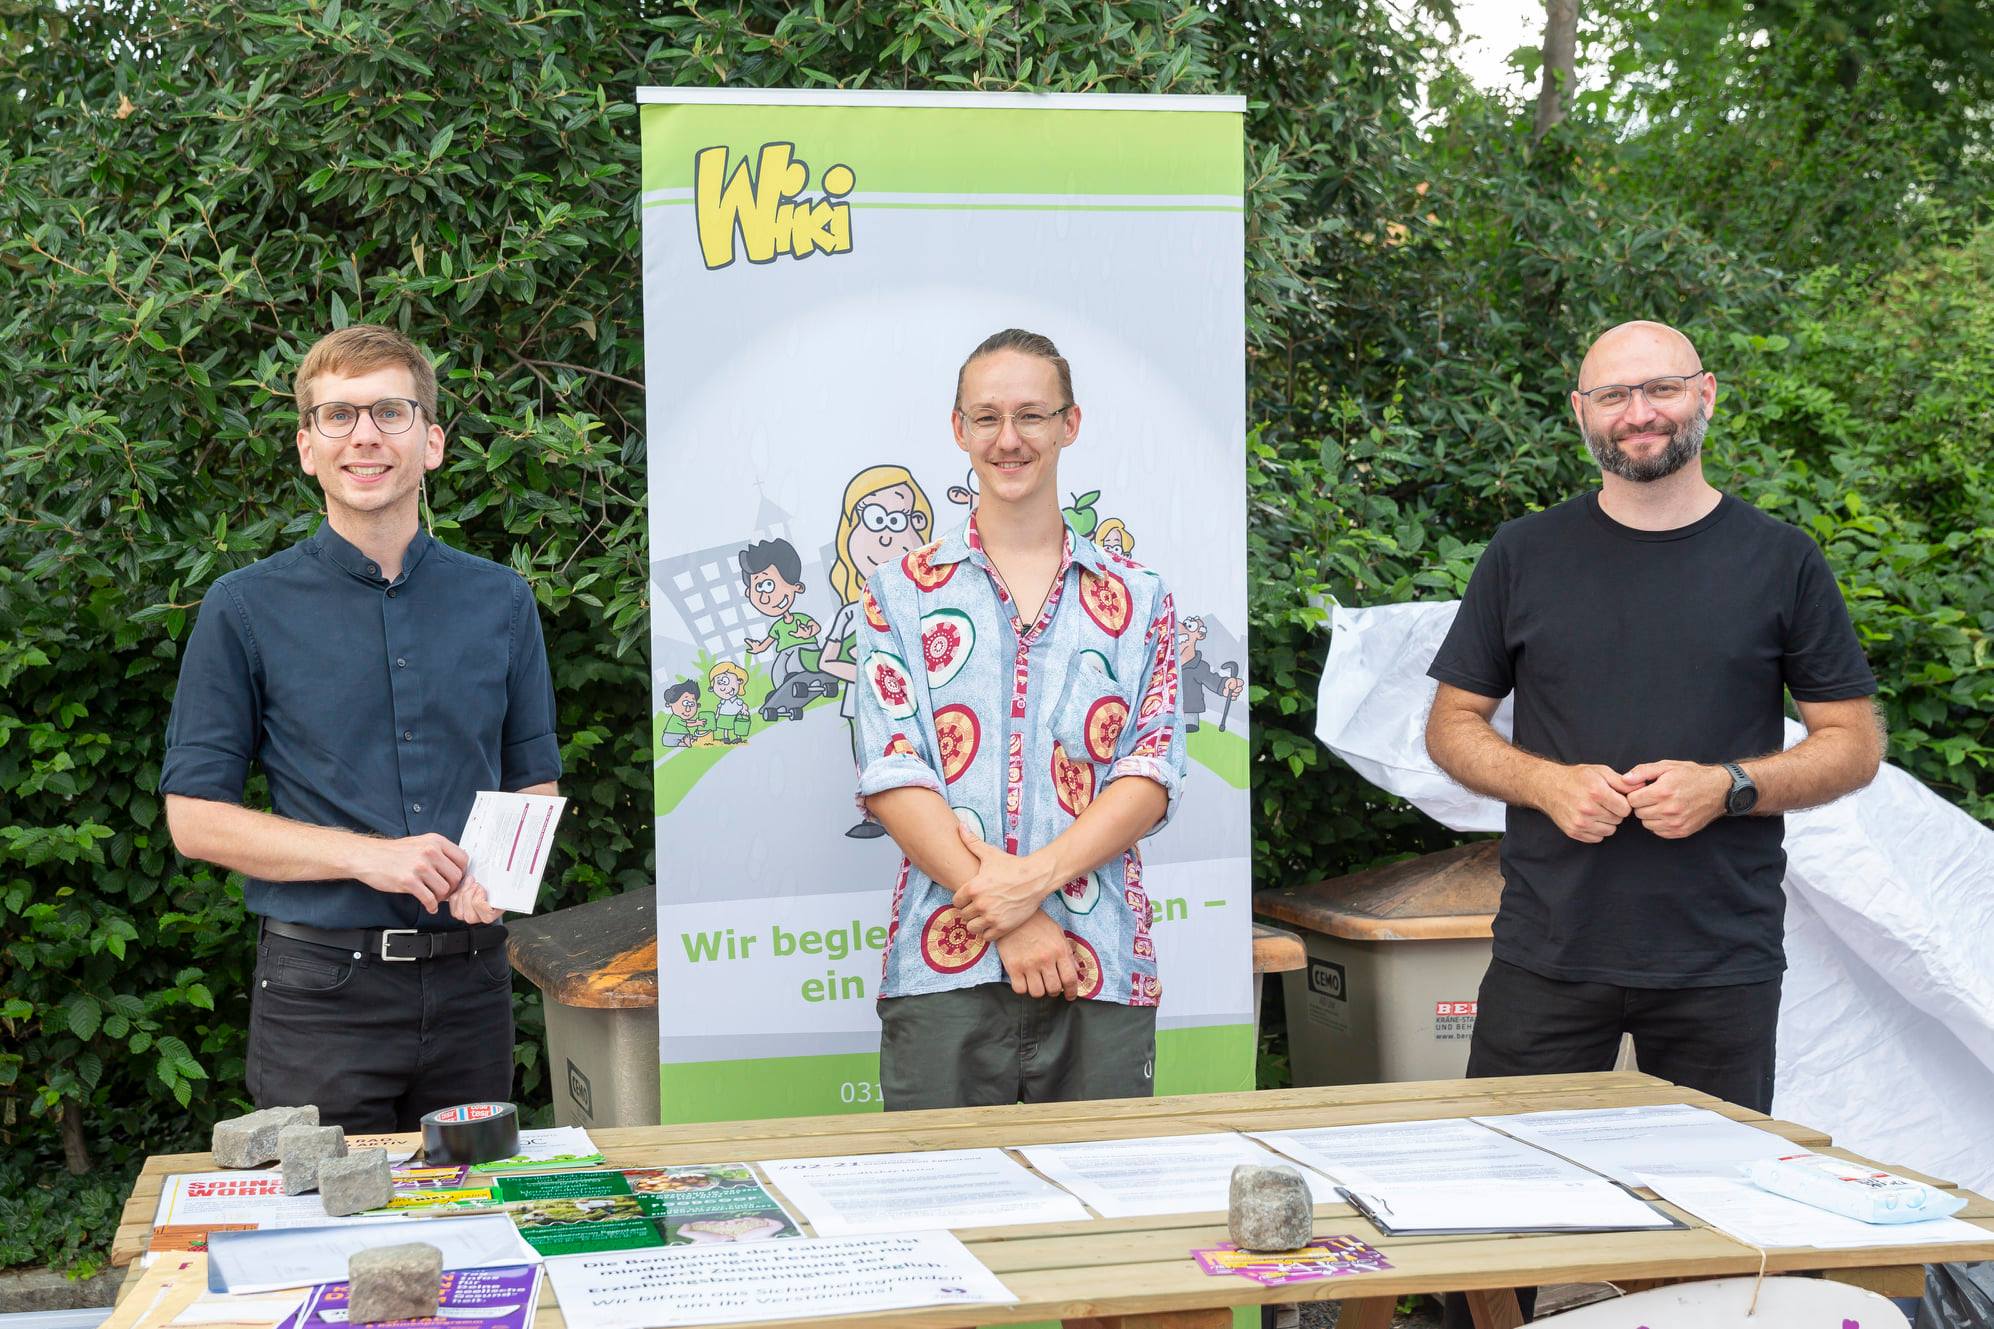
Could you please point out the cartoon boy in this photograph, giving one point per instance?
(682, 722)
(730, 713)
(773, 575)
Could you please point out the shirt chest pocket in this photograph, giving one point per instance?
(1091, 710)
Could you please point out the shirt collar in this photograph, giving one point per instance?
(337, 549)
(964, 543)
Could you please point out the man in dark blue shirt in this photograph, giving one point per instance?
(379, 679)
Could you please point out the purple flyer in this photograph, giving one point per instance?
(498, 1298)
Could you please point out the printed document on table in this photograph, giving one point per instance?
(943, 1188)
(507, 840)
(1455, 1175)
(771, 1280)
(1626, 1143)
(1759, 1218)
(1174, 1174)
(241, 1262)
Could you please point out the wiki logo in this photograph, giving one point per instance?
(766, 209)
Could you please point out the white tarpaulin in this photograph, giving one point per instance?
(1886, 1024)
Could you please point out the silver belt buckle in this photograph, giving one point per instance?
(396, 932)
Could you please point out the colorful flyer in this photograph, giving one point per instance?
(500, 1298)
(554, 1147)
(710, 1202)
(578, 1213)
(1325, 1257)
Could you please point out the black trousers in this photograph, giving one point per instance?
(1720, 1040)
(376, 1043)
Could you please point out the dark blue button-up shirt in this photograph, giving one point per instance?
(371, 705)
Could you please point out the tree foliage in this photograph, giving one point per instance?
(190, 193)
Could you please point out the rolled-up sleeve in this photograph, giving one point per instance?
(531, 751)
(894, 751)
(216, 724)
(1153, 746)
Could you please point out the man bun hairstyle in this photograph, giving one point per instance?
(361, 349)
(1025, 343)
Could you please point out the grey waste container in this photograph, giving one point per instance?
(1395, 957)
(596, 966)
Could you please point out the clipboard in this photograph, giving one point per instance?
(1377, 1212)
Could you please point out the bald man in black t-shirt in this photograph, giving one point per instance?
(1649, 631)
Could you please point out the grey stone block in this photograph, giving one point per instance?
(302, 1148)
(355, 1183)
(1270, 1210)
(251, 1140)
(393, 1283)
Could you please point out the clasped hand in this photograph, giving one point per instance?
(434, 870)
(1674, 799)
(1005, 892)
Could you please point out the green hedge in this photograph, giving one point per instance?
(190, 193)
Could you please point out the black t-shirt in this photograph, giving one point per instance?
(1626, 646)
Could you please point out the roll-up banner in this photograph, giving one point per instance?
(817, 265)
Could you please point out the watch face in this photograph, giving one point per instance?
(1742, 800)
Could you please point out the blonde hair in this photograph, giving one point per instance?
(728, 667)
(845, 578)
(1111, 525)
(359, 349)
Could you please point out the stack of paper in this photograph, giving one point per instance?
(1172, 1174)
(1629, 1143)
(1759, 1218)
(1453, 1175)
(944, 1188)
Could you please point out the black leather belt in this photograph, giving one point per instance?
(395, 943)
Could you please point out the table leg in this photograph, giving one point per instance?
(1495, 1308)
(1367, 1313)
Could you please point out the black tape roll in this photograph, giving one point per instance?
(470, 1133)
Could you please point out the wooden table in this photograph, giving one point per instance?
(1137, 1273)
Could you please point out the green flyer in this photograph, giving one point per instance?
(710, 1202)
(578, 1213)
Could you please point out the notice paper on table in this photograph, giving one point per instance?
(507, 840)
(1627, 1143)
(942, 1188)
(544, 1148)
(192, 1205)
(244, 1262)
(1172, 1174)
(1757, 1217)
(771, 1280)
(1453, 1175)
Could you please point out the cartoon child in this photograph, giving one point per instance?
(773, 575)
(884, 517)
(682, 722)
(730, 713)
(1197, 673)
(1115, 537)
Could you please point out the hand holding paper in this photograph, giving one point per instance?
(508, 838)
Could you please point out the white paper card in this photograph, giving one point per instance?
(1172, 1174)
(1626, 1143)
(1759, 1218)
(507, 840)
(1455, 1174)
(944, 1188)
(771, 1280)
(243, 1262)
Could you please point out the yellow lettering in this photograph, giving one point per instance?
(747, 202)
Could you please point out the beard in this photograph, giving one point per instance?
(1684, 446)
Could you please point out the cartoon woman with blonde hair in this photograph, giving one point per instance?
(884, 517)
(1115, 537)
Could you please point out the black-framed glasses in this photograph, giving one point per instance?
(337, 419)
(876, 518)
(1033, 423)
(1667, 390)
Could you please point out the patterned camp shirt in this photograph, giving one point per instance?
(1019, 727)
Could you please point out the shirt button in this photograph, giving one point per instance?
(391, 593)
(408, 735)
(415, 807)
(400, 663)
(372, 570)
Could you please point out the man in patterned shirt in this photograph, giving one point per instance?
(1012, 677)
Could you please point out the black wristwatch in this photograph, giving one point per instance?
(1744, 795)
